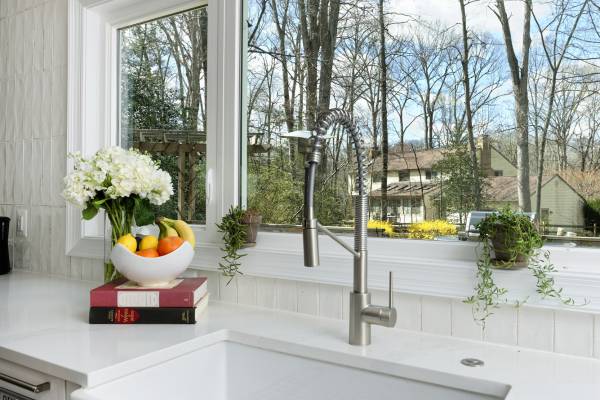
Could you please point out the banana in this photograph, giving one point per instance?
(165, 229)
(182, 228)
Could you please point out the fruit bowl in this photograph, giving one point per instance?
(152, 272)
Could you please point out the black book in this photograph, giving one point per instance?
(147, 315)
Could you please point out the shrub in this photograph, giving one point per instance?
(591, 212)
(385, 226)
(431, 229)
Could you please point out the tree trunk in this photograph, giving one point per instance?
(384, 113)
(468, 112)
(519, 76)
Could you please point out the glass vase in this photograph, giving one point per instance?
(116, 224)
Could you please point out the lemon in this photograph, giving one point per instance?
(128, 241)
(149, 242)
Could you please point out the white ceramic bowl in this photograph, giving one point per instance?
(152, 272)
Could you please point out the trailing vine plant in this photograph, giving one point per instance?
(234, 238)
(516, 243)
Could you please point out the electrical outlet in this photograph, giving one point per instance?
(22, 222)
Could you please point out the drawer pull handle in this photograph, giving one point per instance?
(42, 387)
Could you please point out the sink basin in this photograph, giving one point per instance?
(232, 370)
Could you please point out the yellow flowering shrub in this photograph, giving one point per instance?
(385, 226)
(431, 229)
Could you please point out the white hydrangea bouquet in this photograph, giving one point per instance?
(122, 182)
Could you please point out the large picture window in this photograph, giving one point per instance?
(163, 79)
(432, 89)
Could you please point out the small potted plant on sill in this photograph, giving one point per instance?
(513, 236)
(515, 243)
(239, 228)
(251, 219)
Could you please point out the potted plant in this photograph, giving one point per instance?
(234, 238)
(251, 219)
(515, 243)
(513, 236)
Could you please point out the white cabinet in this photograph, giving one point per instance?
(22, 381)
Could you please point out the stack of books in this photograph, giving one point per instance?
(123, 302)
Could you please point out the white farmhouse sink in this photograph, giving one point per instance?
(230, 370)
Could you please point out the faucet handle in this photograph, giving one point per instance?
(391, 290)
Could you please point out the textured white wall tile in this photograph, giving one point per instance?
(463, 324)
(436, 315)
(286, 295)
(34, 238)
(75, 268)
(346, 302)
(19, 28)
(46, 241)
(574, 333)
(28, 43)
(501, 326)
(227, 289)
(59, 34)
(536, 328)
(246, 286)
(266, 295)
(35, 172)
(59, 169)
(408, 307)
(47, 22)
(3, 195)
(46, 105)
(308, 298)
(9, 180)
(58, 91)
(213, 283)
(597, 336)
(57, 243)
(19, 183)
(10, 109)
(38, 39)
(46, 178)
(330, 301)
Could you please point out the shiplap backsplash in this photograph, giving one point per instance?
(33, 85)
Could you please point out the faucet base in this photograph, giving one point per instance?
(360, 331)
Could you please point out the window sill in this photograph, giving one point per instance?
(434, 268)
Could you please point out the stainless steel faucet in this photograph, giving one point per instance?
(362, 313)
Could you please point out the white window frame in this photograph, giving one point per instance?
(93, 103)
(421, 267)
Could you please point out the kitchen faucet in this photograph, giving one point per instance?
(362, 313)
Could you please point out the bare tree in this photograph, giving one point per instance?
(519, 75)
(556, 45)
(466, 80)
(430, 46)
(384, 113)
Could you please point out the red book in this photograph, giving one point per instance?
(184, 292)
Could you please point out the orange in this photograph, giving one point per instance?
(169, 244)
(152, 253)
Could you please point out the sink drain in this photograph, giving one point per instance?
(472, 362)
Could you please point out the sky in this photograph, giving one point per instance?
(479, 15)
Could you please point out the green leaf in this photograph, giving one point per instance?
(89, 212)
(98, 203)
(142, 212)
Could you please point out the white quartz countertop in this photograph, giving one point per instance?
(43, 325)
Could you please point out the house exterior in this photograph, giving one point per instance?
(412, 178)
(561, 204)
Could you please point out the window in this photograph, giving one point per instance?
(163, 98)
(295, 71)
